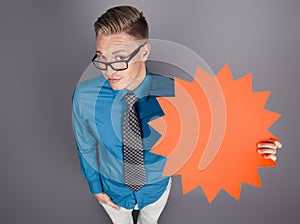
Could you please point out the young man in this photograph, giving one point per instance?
(110, 121)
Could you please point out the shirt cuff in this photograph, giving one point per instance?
(95, 187)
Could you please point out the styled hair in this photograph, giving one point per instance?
(119, 19)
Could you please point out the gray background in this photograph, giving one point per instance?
(45, 47)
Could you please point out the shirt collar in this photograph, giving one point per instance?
(152, 85)
(142, 91)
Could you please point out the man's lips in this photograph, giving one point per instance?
(114, 80)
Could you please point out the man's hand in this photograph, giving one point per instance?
(104, 198)
(269, 149)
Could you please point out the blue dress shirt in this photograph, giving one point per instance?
(97, 113)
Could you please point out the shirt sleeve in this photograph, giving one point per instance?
(86, 144)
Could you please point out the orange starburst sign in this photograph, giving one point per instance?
(210, 139)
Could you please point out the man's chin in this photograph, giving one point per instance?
(120, 86)
(117, 87)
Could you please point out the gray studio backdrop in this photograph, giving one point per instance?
(46, 46)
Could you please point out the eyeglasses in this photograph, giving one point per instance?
(116, 65)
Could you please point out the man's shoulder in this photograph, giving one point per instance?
(93, 83)
(88, 88)
(161, 85)
(157, 77)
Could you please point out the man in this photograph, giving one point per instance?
(110, 121)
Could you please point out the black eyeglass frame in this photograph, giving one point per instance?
(134, 53)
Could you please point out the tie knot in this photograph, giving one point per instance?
(131, 98)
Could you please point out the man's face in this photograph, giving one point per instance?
(119, 47)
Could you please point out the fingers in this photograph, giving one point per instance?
(104, 198)
(266, 151)
(270, 156)
(110, 203)
(270, 144)
(279, 144)
(269, 149)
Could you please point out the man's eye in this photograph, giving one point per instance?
(101, 58)
(120, 58)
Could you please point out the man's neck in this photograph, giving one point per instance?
(138, 80)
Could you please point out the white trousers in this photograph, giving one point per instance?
(148, 215)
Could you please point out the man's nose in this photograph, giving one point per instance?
(109, 71)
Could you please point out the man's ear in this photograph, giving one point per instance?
(146, 51)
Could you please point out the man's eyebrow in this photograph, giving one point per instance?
(119, 51)
(114, 52)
